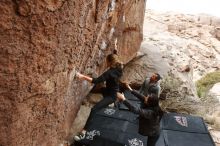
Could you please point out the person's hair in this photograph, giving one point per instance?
(153, 100)
(158, 76)
(114, 60)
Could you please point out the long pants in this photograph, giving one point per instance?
(152, 140)
(101, 104)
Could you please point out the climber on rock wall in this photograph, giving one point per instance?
(111, 77)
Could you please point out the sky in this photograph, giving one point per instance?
(211, 7)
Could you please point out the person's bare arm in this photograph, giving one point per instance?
(84, 77)
(146, 113)
(136, 93)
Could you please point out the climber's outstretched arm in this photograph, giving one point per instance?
(84, 77)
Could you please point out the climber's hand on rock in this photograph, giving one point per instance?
(79, 76)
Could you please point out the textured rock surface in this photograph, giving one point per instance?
(42, 44)
(215, 91)
(183, 40)
(148, 61)
(217, 33)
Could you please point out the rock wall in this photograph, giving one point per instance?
(43, 43)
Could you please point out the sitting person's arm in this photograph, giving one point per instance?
(136, 93)
(158, 91)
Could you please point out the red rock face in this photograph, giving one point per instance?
(42, 44)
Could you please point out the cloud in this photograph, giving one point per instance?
(186, 6)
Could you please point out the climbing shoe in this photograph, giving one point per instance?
(80, 136)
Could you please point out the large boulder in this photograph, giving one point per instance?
(217, 33)
(148, 61)
(176, 84)
(215, 91)
(43, 44)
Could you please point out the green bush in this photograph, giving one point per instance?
(204, 84)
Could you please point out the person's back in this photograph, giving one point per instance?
(149, 119)
(112, 81)
(149, 115)
(150, 126)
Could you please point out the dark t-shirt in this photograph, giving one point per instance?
(111, 76)
(149, 117)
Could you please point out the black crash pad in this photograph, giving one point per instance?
(100, 122)
(118, 114)
(111, 138)
(113, 127)
(178, 138)
(184, 123)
